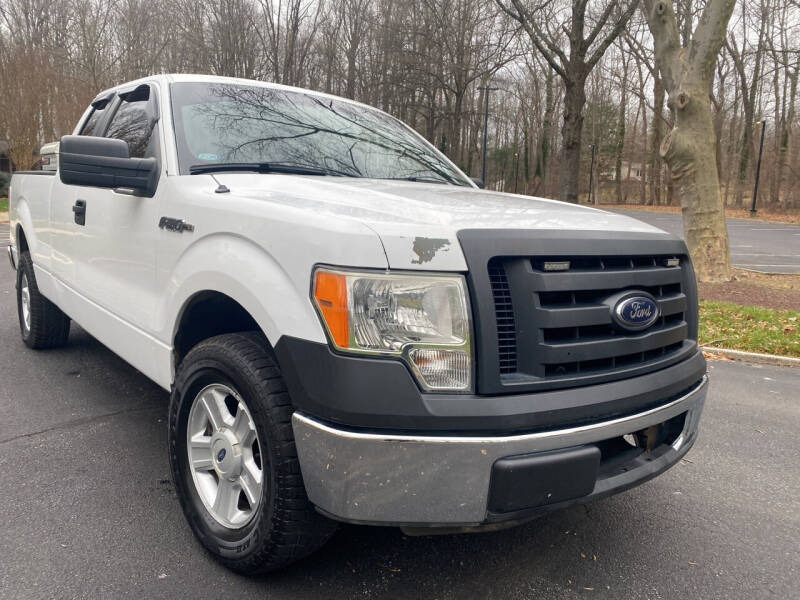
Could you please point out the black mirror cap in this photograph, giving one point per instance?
(104, 162)
(478, 181)
(94, 146)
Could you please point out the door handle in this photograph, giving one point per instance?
(80, 212)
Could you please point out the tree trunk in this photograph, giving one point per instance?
(571, 131)
(543, 164)
(621, 132)
(731, 150)
(689, 148)
(658, 128)
(783, 146)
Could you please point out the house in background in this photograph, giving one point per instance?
(631, 171)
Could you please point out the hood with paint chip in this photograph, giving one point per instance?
(417, 222)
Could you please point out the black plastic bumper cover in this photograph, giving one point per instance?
(379, 394)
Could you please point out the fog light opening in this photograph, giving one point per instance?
(442, 369)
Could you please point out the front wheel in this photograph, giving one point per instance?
(233, 457)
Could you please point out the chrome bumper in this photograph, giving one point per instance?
(12, 258)
(426, 480)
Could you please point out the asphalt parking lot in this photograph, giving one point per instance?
(87, 508)
(755, 245)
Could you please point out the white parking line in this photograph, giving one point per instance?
(781, 266)
(763, 254)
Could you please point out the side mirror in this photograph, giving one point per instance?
(477, 181)
(105, 163)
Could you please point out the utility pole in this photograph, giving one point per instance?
(516, 170)
(591, 174)
(758, 168)
(486, 90)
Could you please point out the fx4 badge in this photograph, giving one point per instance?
(176, 225)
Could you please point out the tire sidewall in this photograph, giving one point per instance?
(25, 267)
(229, 543)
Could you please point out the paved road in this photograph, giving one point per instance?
(755, 245)
(87, 509)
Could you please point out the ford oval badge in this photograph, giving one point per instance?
(636, 311)
(221, 455)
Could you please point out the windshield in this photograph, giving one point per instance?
(229, 123)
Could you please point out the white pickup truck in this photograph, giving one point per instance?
(349, 327)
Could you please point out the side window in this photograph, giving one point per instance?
(98, 111)
(133, 123)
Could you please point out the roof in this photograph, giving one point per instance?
(200, 78)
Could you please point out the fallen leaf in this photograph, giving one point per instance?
(692, 564)
(583, 555)
(589, 589)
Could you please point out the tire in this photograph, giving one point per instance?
(263, 531)
(41, 323)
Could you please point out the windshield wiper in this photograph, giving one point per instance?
(421, 180)
(264, 167)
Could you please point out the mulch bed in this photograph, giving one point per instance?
(750, 294)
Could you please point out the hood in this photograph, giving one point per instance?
(417, 222)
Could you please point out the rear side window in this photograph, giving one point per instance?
(98, 111)
(132, 122)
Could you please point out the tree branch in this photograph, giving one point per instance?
(524, 17)
(660, 16)
(612, 35)
(709, 35)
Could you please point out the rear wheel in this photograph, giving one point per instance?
(41, 323)
(233, 457)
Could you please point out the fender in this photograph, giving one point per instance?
(248, 274)
(20, 218)
(29, 209)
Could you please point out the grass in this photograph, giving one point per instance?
(3, 204)
(750, 328)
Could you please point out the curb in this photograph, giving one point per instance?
(754, 357)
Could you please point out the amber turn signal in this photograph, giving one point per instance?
(330, 293)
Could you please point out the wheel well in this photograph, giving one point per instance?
(208, 314)
(22, 242)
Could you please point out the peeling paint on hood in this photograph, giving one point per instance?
(426, 248)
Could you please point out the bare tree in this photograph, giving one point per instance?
(573, 69)
(689, 149)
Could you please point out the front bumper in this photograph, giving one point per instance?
(450, 481)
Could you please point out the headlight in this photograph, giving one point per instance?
(423, 319)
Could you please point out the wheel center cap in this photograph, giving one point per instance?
(226, 454)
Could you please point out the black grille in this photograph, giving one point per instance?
(556, 324)
(504, 316)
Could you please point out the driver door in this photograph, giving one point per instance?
(115, 249)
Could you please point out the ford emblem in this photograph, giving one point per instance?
(636, 311)
(221, 455)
